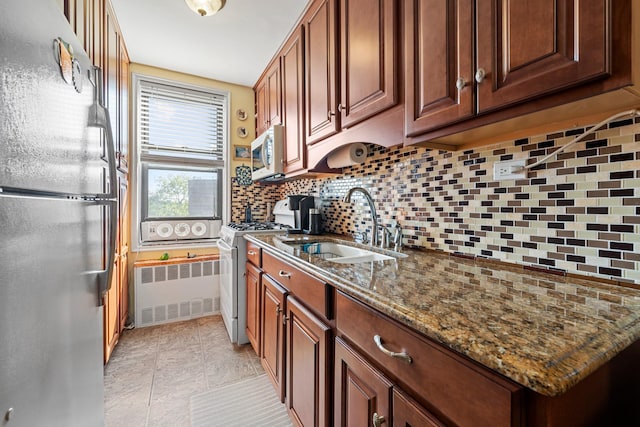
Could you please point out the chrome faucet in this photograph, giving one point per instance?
(372, 208)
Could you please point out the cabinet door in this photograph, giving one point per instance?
(438, 53)
(532, 48)
(112, 47)
(123, 107)
(308, 366)
(362, 394)
(274, 100)
(262, 114)
(295, 150)
(111, 313)
(272, 338)
(408, 413)
(254, 277)
(123, 245)
(368, 52)
(320, 71)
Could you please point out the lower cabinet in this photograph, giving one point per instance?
(308, 362)
(364, 396)
(272, 340)
(254, 283)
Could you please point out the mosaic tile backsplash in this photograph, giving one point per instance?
(578, 213)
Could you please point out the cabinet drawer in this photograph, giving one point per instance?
(452, 387)
(314, 293)
(254, 254)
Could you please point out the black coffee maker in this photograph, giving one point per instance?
(306, 216)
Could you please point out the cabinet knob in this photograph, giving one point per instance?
(330, 114)
(252, 253)
(402, 356)
(461, 83)
(278, 310)
(340, 108)
(378, 420)
(480, 75)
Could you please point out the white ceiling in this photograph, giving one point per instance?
(234, 45)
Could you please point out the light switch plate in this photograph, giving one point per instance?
(510, 169)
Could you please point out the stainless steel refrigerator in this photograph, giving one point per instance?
(56, 221)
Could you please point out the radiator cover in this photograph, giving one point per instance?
(175, 292)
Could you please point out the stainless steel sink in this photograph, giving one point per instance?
(337, 252)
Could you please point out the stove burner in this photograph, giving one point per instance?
(257, 226)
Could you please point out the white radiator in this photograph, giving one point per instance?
(170, 293)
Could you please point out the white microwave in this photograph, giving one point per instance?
(267, 155)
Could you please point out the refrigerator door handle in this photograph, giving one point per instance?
(99, 117)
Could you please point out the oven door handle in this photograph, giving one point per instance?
(224, 246)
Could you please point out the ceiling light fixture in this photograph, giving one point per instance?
(205, 7)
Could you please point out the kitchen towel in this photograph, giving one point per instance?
(347, 155)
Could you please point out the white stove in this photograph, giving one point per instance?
(233, 258)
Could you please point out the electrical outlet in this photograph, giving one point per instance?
(510, 169)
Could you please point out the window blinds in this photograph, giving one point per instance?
(181, 124)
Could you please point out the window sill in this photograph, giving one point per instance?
(210, 244)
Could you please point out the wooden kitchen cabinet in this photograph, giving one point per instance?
(306, 341)
(407, 412)
(95, 25)
(529, 49)
(295, 149)
(465, 65)
(272, 333)
(362, 393)
(368, 59)
(319, 25)
(269, 98)
(462, 392)
(254, 284)
(308, 366)
(438, 52)
(123, 250)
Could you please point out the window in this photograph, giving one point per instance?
(181, 135)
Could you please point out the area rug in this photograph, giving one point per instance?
(248, 403)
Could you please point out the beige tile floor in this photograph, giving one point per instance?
(154, 371)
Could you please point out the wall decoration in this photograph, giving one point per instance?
(241, 114)
(242, 132)
(243, 175)
(241, 152)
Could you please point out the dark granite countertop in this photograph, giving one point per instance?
(544, 331)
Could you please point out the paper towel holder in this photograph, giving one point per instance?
(347, 155)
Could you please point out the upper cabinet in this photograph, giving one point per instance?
(292, 70)
(319, 24)
(438, 63)
(474, 63)
(368, 59)
(268, 98)
(447, 73)
(529, 49)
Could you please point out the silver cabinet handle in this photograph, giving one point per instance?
(283, 273)
(402, 356)
(377, 419)
(340, 108)
(252, 253)
(330, 114)
(278, 310)
(461, 83)
(480, 75)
